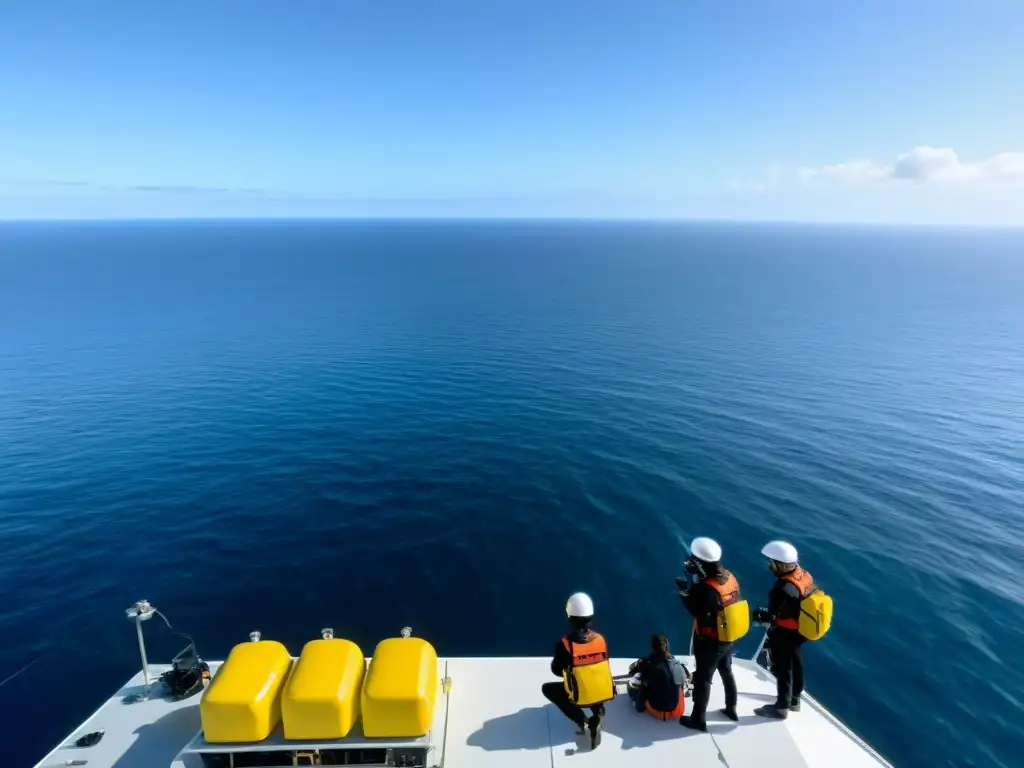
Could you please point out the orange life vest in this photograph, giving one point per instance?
(675, 714)
(593, 651)
(728, 594)
(803, 581)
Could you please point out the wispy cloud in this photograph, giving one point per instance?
(185, 189)
(149, 189)
(22, 182)
(923, 165)
(850, 172)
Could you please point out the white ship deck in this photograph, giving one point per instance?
(496, 717)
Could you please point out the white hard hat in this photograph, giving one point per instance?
(780, 552)
(706, 549)
(579, 606)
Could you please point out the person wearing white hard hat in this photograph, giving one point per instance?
(707, 592)
(581, 660)
(785, 643)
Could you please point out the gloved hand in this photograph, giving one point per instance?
(683, 585)
(761, 615)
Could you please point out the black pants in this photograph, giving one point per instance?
(711, 656)
(556, 694)
(787, 655)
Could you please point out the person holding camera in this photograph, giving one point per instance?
(712, 596)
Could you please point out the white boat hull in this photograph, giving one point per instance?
(495, 717)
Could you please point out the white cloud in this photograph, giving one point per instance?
(1005, 167)
(929, 164)
(925, 185)
(925, 165)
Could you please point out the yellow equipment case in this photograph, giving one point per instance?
(321, 700)
(400, 690)
(243, 702)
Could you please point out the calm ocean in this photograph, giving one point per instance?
(285, 426)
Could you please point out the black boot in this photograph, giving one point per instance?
(594, 725)
(730, 712)
(772, 711)
(688, 721)
(794, 705)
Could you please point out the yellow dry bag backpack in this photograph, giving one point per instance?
(815, 606)
(815, 614)
(733, 618)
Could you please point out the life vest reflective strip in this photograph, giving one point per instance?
(728, 594)
(803, 581)
(673, 715)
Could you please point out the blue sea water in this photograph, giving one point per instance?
(283, 426)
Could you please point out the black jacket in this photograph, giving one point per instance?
(703, 601)
(660, 681)
(562, 659)
(784, 600)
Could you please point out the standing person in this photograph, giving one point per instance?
(659, 691)
(798, 610)
(720, 617)
(581, 660)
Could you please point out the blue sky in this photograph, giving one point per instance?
(893, 110)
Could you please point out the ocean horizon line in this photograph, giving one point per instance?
(812, 223)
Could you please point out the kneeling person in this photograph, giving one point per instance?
(581, 660)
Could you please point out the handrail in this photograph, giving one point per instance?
(757, 653)
(760, 647)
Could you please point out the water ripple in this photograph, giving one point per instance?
(354, 426)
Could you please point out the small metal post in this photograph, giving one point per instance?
(142, 653)
(327, 633)
(760, 647)
(142, 611)
(406, 632)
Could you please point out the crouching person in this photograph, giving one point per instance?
(581, 660)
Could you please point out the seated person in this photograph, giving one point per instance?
(657, 685)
